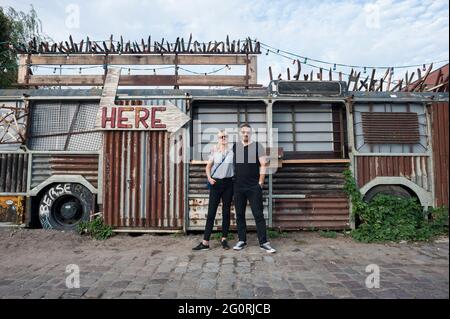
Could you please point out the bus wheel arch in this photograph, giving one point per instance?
(399, 186)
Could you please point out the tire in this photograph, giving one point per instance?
(392, 190)
(63, 206)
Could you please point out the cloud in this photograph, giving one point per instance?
(381, 32)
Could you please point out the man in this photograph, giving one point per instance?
(249, 171)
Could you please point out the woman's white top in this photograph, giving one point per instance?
(226, 169)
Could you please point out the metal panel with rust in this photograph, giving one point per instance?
(325, 205)
(440, 141)
(311, 180)
(46, 165)
(414, 168)
(143, 178)
(314, 212)
(13, 173)
(393, 127)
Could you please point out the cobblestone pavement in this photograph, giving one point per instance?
(33, 265)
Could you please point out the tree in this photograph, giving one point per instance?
(16, 27)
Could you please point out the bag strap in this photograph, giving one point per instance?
(223, 160)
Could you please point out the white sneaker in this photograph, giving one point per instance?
(266, 247)
(240, 245)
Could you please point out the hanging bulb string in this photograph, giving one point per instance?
(348, 65)
(320, 67)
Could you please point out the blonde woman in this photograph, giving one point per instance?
(219, 171)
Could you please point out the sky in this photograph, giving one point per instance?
(366, 33)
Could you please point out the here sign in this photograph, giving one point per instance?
(154, 117)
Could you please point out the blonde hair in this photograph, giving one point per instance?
(223, 131)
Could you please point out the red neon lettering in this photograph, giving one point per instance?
(156, 123)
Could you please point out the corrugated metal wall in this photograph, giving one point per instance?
(440, 140)
(143, 177)
(13, 172)
(325, 205)
(46, 165)
(414, 168)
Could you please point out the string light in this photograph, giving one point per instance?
(365, 70)
(79, 71)
(129, 71)
(341, 64)
(424, 68)
(334, 67)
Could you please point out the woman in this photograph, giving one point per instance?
(219, 171)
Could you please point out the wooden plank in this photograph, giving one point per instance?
(137, 80)
(304, 161)
(139, 59)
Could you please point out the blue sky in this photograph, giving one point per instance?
(381, 32)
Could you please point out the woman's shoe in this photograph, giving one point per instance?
(201, 247)
(225, 244)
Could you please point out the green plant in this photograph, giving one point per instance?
(327, 234)
(390, 218)
(276, 233)
(218, 236)
(95, 228)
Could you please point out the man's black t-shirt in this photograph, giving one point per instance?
(246, 163)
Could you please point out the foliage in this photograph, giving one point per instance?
(276, 233)
(390, 218)
(16, 27)
(95, 228)
(218, 236)
(327, 234)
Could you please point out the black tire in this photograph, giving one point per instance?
(63, 206)
(392, 190)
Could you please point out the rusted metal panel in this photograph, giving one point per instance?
(393, 127)
(414, 168)
(13, 173)
(47, 165)
(316, 212)
(325, 205)
(440, 141)
(137, 187)
(312, 180)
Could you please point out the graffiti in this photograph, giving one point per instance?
(50, 196)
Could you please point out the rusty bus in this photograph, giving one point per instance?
(57, 168)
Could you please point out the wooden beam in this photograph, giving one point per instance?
(140, 59)
(252, 70)
(139, 80)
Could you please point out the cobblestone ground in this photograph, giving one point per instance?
(33, 265)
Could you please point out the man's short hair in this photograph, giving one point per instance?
(244, 125)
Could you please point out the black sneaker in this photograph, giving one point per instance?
(225, 244)
(267, 248)
(240, 245)
(201, 247)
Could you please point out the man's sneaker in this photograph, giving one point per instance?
(240, 245)
(269, 249)
(225, 244)
(201, 247)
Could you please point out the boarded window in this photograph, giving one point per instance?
(390, 127)
(394, 127)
